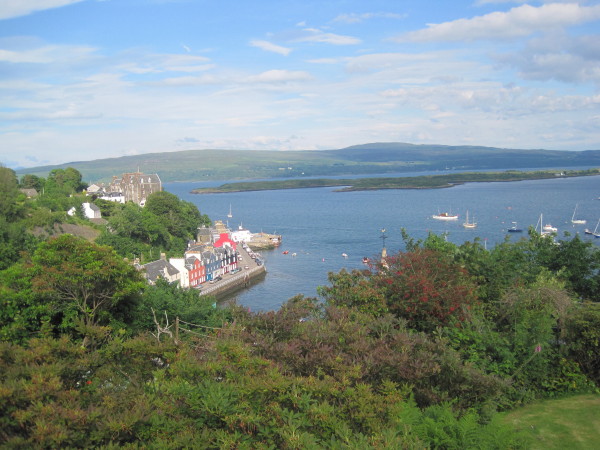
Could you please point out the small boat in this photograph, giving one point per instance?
(445, 216)
(515, 229)
(595, 232)
(285, 252)
(468, 224)
(230, 215)
(545, 230)
(344, 255)
(576, 221)
(366, 260)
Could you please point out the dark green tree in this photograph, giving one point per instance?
(9, 193)
(187, 304)
(181, 218)
(85, 282)
(66, 181)
(30, 181)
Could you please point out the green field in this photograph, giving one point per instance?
(568, 423)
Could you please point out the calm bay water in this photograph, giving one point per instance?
(320, 224)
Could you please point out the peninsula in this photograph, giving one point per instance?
(420, 182)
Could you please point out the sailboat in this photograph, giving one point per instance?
(574, 220)
(230, 215)
(547, 229)
(595, 232)
(468, 224)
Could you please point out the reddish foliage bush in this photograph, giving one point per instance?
(426, 288)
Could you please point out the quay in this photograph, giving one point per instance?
(232, 282)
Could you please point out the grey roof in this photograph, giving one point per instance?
(156, 269)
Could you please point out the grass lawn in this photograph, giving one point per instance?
(567, 423)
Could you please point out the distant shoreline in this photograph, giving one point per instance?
(420, 182)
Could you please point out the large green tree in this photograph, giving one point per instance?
(181, 218)
(9, 192)
(85, 282)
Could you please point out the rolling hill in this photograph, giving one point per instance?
(198, 165)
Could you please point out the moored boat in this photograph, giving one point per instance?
(468, 224)
(595, 232)
(574, 220)
(545, 230)
(445, 216)
(515, 229)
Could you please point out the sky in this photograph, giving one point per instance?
(92, 79)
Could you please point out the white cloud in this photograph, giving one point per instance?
(280, 76)
(270, 47)
(16, 8)
(46, 54)
(357, 18)
(315, 35)
(558, 57)
(518, 22)
(189, 81)
(159, 63)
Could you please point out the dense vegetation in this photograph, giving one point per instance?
(165, 224)
(421, 182)
(420, 350)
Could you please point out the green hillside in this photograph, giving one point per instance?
(197, 165)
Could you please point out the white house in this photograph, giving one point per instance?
(179, 264)
(90, 211)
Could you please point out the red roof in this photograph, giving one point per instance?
(224, 239)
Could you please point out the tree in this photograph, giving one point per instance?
(9, 192)
(85, 281)
(187, 304)
(29, 181)
(66, 181)
(354, 290)
(181, 218)
(583, 339)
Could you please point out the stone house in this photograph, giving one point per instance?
(136, 186)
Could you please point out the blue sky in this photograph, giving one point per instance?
(91, 79)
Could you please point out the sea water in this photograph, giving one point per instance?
(319, 225)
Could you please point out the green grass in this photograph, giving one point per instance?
(568, 423)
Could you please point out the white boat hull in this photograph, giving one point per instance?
(441, 217)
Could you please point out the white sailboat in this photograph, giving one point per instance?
(547, 229)
(574, 220)
(595, 232)
(468, 224)
(230, 215)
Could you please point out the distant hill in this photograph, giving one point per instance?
(198, 165)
